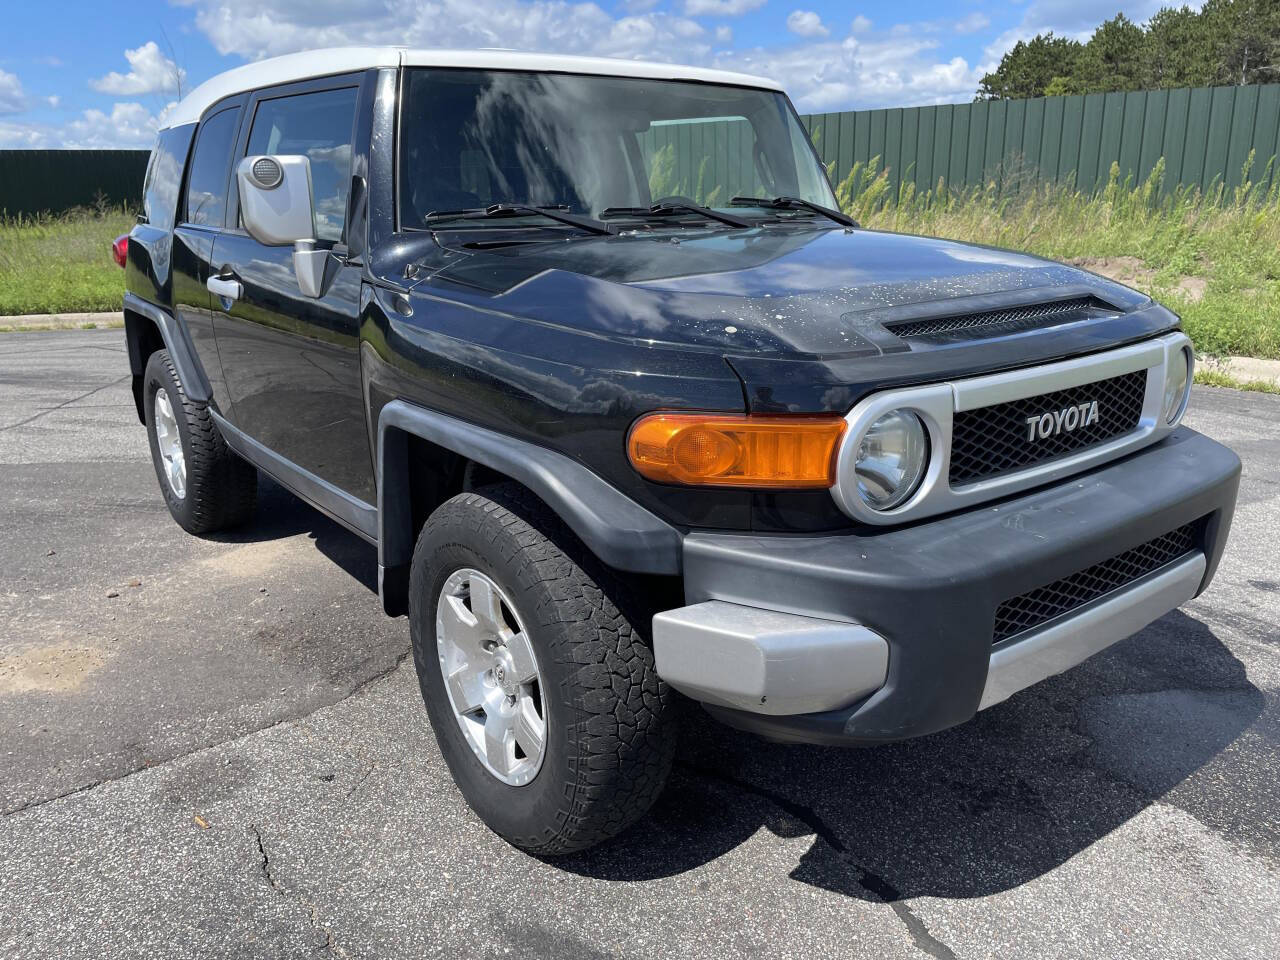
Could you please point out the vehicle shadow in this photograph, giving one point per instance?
(971, 811)
(280, 515)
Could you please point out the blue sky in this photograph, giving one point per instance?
(89, 74)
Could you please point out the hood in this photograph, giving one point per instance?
(779, 291)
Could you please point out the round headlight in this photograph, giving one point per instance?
(1176, 383)
(891, 459)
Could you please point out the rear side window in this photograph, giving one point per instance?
(164, 176)
(210, 169)
(317, 126)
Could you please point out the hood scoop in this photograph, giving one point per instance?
(1002, 321)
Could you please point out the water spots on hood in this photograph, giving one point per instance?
(783, 291)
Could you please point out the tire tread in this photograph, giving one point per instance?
(222, 488)
(625, 738)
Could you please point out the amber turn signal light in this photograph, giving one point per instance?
(736, 450)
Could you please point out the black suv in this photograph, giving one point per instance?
(628, 408)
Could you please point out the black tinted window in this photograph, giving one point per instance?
(210, 168)
(470, 138)
(164, 176)
(318, 127)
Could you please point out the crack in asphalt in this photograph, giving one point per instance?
(876, 885)
(85, 787)
(367, 772)
(328, 946)
(65, 403)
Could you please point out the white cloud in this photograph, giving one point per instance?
(972, 23)
(13, 98)
(127, 125)
(261, 28)
(878, 71)
(1067, 18)
(900, 66)
(150, 72)
(806, 23)
(23, 136)
(721, 8)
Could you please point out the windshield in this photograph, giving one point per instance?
(471, 138)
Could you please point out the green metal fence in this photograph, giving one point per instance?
(35, 181)
(1205, 136)
(707, 160)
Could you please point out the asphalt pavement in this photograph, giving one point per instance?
(216, 747)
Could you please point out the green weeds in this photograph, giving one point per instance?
(1214, 258)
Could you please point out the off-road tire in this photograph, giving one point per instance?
(221, 487)
(610, 727)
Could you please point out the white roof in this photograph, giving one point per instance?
(321, 63)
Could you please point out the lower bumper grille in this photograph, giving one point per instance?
(1039, 606)
(996, 439)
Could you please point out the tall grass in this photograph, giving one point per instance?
(61, 264)
(1213, 257)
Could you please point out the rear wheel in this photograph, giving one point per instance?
(205, 485)
(541, 691)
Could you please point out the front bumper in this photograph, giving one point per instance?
(803, 661)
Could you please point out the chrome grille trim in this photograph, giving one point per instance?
(937, 404)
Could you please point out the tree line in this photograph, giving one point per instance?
(1225, 42)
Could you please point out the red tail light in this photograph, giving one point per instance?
(120, 250)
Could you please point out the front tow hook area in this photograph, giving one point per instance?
(766, 661)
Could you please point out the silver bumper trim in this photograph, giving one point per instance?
(1021, 662)
(765, 661)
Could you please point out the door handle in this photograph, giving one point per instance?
(227, 289)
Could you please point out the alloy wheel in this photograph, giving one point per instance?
(169, 443)
(491, 675)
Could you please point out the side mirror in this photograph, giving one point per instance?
(277, 209)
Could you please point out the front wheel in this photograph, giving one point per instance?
(542, 694)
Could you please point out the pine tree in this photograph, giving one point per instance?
(1029, 68)
(1246, 38)
(1225, 42)
(1176, 53)
(1112, 59)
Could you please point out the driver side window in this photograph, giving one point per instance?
(318, 126)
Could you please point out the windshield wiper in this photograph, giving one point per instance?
(794, 203)
(498, 211)
(668, 206)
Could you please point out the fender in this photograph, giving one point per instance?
(189, 370)
(614, 527)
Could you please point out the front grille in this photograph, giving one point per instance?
(1008, 320)
(994, 440)
(1039, 606)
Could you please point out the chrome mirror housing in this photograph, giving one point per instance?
(277, 208)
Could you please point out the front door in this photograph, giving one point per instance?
(292, 362)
